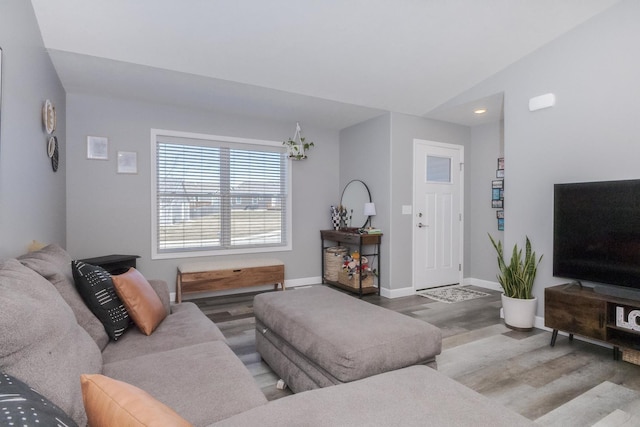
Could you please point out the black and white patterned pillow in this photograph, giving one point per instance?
(96, 288)
(20, 405)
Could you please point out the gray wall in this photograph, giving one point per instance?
(591, 134)
(485, 148)
(32, 197)
(380, 152)
(364, 155)
(404, 129)
(110, 213)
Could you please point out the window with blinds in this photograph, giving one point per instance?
(215, 195)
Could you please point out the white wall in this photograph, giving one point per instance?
(110, 213)
(593, 132)
(32, 197)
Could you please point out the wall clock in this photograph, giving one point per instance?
(49, 117)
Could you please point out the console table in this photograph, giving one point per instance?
(356, 240)
(579, 310)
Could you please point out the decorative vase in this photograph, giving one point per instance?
(335, 218)
(519, 314)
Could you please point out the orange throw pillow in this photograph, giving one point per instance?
(109, 403)
(142, 302)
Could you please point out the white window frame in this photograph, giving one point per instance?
(155, 133)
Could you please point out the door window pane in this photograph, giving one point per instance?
(438, 169)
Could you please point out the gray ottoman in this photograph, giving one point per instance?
(319, 337)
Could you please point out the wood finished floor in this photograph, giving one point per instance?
(572, 384)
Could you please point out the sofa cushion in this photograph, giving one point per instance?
(22, 405)
(413, 396)
(54, 264)
(185, 326)
(109, 402)
(142, 302)
(96, 287)
(41, 342)
(203, 382)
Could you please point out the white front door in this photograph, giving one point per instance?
(437, 213)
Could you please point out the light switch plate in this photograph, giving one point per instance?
(406, 209)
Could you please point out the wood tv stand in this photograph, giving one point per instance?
(579, 310)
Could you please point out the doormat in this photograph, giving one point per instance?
(451, 294)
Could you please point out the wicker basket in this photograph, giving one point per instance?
(631, 356)
(333, 258)
(354, 281)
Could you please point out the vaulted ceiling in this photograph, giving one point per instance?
(335, 62)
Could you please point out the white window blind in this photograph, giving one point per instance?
(219, 194)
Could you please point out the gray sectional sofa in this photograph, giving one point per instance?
(49, 338)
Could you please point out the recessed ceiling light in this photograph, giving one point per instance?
(480, 111)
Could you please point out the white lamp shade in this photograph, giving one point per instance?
(369, 209)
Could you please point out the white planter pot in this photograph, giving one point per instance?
(519, 314)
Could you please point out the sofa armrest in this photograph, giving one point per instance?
(162, 289)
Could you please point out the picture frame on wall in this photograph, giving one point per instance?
(497, 183)
(500, 214)
(97, 148)
(501, 163)
(500, 173)
(500, 224)
(497, 204)
(495, 194)
(127, 162)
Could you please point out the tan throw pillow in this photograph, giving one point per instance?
(142, 302)
(110, 402)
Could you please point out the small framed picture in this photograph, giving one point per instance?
(500, 224)
(97, 148)
(497, 204)
(127, 162)
(501, 163)
(500, 173)
(497, 183)
(495, 194)
(500, 214)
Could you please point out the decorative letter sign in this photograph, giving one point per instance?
(632, 319)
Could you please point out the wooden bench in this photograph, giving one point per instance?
(223, 275)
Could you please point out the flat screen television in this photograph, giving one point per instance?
(596, 235)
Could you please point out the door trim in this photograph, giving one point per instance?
(460, 149)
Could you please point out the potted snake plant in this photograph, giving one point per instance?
(516, 278)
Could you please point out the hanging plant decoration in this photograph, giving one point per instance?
(297, 146)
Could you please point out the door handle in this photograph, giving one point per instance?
(421, 225)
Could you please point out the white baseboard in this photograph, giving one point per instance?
(397, 293)
(495, 286)
(407, 291)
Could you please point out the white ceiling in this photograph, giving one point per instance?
(333, 62)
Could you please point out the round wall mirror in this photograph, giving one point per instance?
(354, 196)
